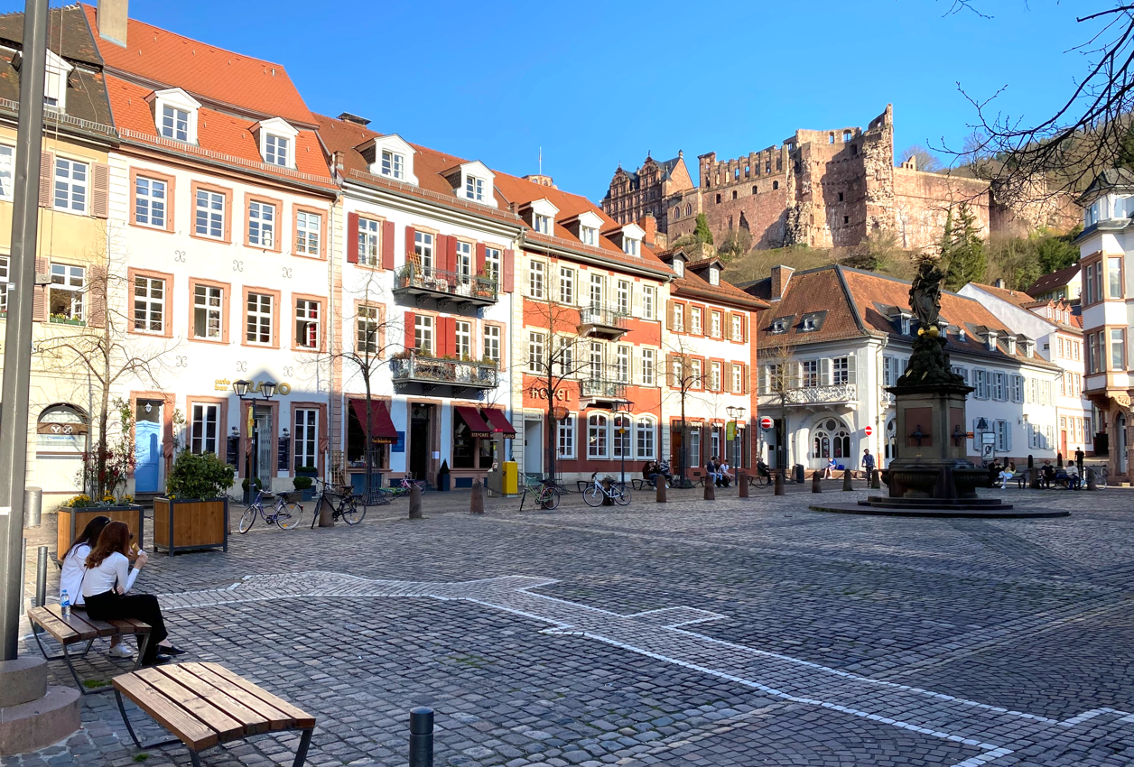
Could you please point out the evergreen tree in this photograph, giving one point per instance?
(1125, 157)
(966, 262)
(701, 232)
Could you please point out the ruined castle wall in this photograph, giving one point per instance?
(922, 200)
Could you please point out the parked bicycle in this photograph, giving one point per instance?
(1101, 474)
(405, 486)
(342, 502)
(597, 491)
(284, 514)
(546, 493)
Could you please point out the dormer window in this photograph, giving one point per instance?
(1026, 347)
(961, 334)
(1011, 344)
(55, 84)
(393, 164)
(631, 246)
(542, 224)
(588, 235)
(991, 341)
(679, 267)
(392, 158)
(277, 150)
(472, 181)
(808, 324)
(174, 123)
(474, 189)
(905, 324)
(277, 142)
(779, 326)
(175, 114)
(714, 276)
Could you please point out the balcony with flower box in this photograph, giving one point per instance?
(601, 321)
(432, 372)
(445, 288)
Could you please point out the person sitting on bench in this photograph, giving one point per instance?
(75, 570)
(650, 472)
(724, 470)
(763, 471)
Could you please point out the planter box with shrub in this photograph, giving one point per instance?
(72, 521)
(304, 485)
(195, 513)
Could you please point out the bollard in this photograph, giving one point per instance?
(415, 503)
(476, 503)
(710, 489)
(742, 485)
(779, 488)
(1092, 481)
(33, 507)
(607, 501)
(816, 483)
(24, 578)
(421, 736)
(41, 577)
(847, 480)
(659, 481)
(1034, 478)
(874, 479)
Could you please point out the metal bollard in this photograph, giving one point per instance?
(659, 489)
(1092, 479)
(847, 480)
(33, 507)
(24, 578)
(710, 489)
(41, 577)
(779, 487)
(415, 503)
(421, 736)
(874, 479)
(816, 482)
(476, 501)
(741, 485)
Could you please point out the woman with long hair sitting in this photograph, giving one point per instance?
(109, 579)
(74, 573)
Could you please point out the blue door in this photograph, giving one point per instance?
(147, 453)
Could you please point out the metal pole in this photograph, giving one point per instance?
(16, 385)
(24, 577)
(41, 576)
(421, 736)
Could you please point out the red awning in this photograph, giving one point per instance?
(477, 427)
(499, 422)
(381, 426)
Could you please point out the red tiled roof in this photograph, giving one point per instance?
(1057, 279)
(812, 291)
(204, 70)
(694, 285)
(1026, 302)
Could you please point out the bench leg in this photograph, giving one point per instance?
(134, 736)
(304, 743)
(70, 661)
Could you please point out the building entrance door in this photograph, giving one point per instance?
(421, 417)
(533, 447)
(147, 447)
(1120, 435)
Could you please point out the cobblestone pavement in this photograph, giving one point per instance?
(728, 632)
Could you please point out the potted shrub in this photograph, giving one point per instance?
(443, 476)
(303, 485)
(76, 512)
(194, 513)
(257, 483)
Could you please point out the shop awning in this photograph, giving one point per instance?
(381, 426)
(499, 422)
(477, 427)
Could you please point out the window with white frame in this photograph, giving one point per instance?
(623, 294)
(393, 164)
(695, 319)
(697, 373)
(7, 165)
(71, 179)
(566, 285)
(423, 335)
(981, 392)
(623, 437)
(367, 324)
(998, 389)
(737, 378)
(208, 312)
(258, 328)
(536, 282)
(463, 330)
(840, 370)
(597, 356)
(261, 224)
(542, 223)
(307, 328)
(474, 188)
(631, 246)
(809, 373)
(308, 229)
(68, 285)
(715, 437)
(598, 437)
(622, 363)
(492, 263)
(771, 380)
(715, 324)
(149, 304)
(210, 214)
(588, 235)
(423, 251)
(277, 150)
(566, 438)
(646, 438)
(715, 377)
(492, 343)
(306, 433)
(536, 342)
(598, 283)
(648, 367)
(565, 357)
(679, 317)
(4, 285)
(1003, 430)
(174, 123)
(695, 446)
(679, 267)
(714, 276)
(1017, 387)
(649, 293)
(677, 372)
(150, 196)
(204, 428)
(737, 328)
(464, 261)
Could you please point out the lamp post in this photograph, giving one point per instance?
(621, 411)
(736, 413)
(559, 415)
(241, 388)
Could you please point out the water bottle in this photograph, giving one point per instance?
(65, 605)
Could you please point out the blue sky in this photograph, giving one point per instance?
(600, 83)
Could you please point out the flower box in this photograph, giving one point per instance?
(184, 525)
(67, 321)
(72, 521)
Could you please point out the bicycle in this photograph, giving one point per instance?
(285, 514)
(1101, 474)
(546, 493)
(405, 486)
(594, 495)
(346, 508)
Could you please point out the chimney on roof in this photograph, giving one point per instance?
(780, 277)
(541, 179)
(650, 225)
(111, 18)
(347, 117)
(999, 282)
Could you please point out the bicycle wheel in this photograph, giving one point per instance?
(287, 517)
(318, 504)
(247, 519)
(593, 496)
(549, 498)
(379, 496)
(352, 514)
(621, 494)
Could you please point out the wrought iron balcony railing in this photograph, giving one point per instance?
(605, 386)
(454, 286)
(831, 393)
(603, 317)
(435, 371)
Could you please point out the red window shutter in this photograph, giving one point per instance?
(409, 340)
(509, 270)
(39, 295)
(46, 178)
(669, 311)
(352, 238)
(387, 245)
(451, 259)
(96, 293)
(411, 234)
(100, 190)
(440, 252)
(480, 258)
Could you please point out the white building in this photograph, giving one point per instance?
(833, 338)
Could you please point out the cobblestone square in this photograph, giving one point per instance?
(728, 632)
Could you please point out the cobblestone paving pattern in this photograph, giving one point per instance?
(708, 633)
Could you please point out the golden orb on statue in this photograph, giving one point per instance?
(933, 332)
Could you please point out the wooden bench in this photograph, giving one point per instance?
(77, 628)
(204, 704)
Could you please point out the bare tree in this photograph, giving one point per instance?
(924, 159)
(685, 373)
(780, 380)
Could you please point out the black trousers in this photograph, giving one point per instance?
(111, 605)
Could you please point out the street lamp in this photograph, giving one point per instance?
(621, 409)
(268, 390)
(736, 413)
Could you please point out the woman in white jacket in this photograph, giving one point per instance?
(75, 570)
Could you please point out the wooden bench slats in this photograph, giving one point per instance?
(277, 720)
(301, 718)
(195, 734)
(55, 627)
(253, 721)
(77, 622)
(192, 702)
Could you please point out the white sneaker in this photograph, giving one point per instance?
(120, 651)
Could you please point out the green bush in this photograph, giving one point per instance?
(257, 482)
(199, 476)
(303, 483)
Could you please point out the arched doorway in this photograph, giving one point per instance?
(60, 440)
(830, 439)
